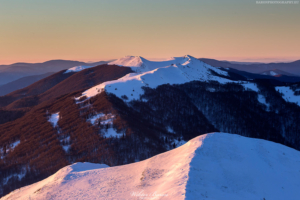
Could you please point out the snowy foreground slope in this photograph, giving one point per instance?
(211, 166)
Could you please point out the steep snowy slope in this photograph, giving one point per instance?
(211, 166)
(152, 74)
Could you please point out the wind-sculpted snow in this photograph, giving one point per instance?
(211, 166)
(152, 74)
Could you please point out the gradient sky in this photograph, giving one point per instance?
(93, 30)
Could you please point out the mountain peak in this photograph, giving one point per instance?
(151, 74)
(188, 56)
(129, 61)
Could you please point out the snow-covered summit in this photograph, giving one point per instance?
(140, 64)
(77, 69)
(276, 72)
(211, 166)
(151, 74)
(128, 61)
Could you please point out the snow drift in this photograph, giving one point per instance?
(211, 166)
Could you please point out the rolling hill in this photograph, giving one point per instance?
(21, 83)
(211, 166)
(9, 73)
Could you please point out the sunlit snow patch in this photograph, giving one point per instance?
(13, 145)
(289, 95)
(170, 130)
(19, 176)
(54, 119)
(102, 119)
(261, 99)
(250, 86)
(273, 73)
(10, 147)
(77, 69)
(111, 132)
(65, 143)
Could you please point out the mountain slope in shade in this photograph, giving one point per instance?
(15, 71)
(276, 73)
(21, 83)
(14, 105)
(34, 89)
(291, 67)
(62, 83)
(211, 166)
(275, 80)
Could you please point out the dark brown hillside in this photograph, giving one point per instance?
(7, 115)
(86, 79)
(59, 84)
(40, 151)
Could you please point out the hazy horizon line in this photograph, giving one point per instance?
(229, 59)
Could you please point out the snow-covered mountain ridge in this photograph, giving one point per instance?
(151, 74)
(211, 166)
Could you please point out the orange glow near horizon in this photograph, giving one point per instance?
(36, 31)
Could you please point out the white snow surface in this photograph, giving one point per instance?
(18, 175)
(250, 86)
(111, 132)
(77, 69)
(151, 74)
(94, 118)
(103, 118)
(54, 119)
(288, 94)
(66, 147)
(10, 148)
(261, 99)
(273, 73)
(13, 145)
(212, 166)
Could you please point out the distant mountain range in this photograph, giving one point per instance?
(290, 67)
(277, 79)
(21, 83)
(132, 109)
(276, 73)
(11, 81)
(9, 73)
